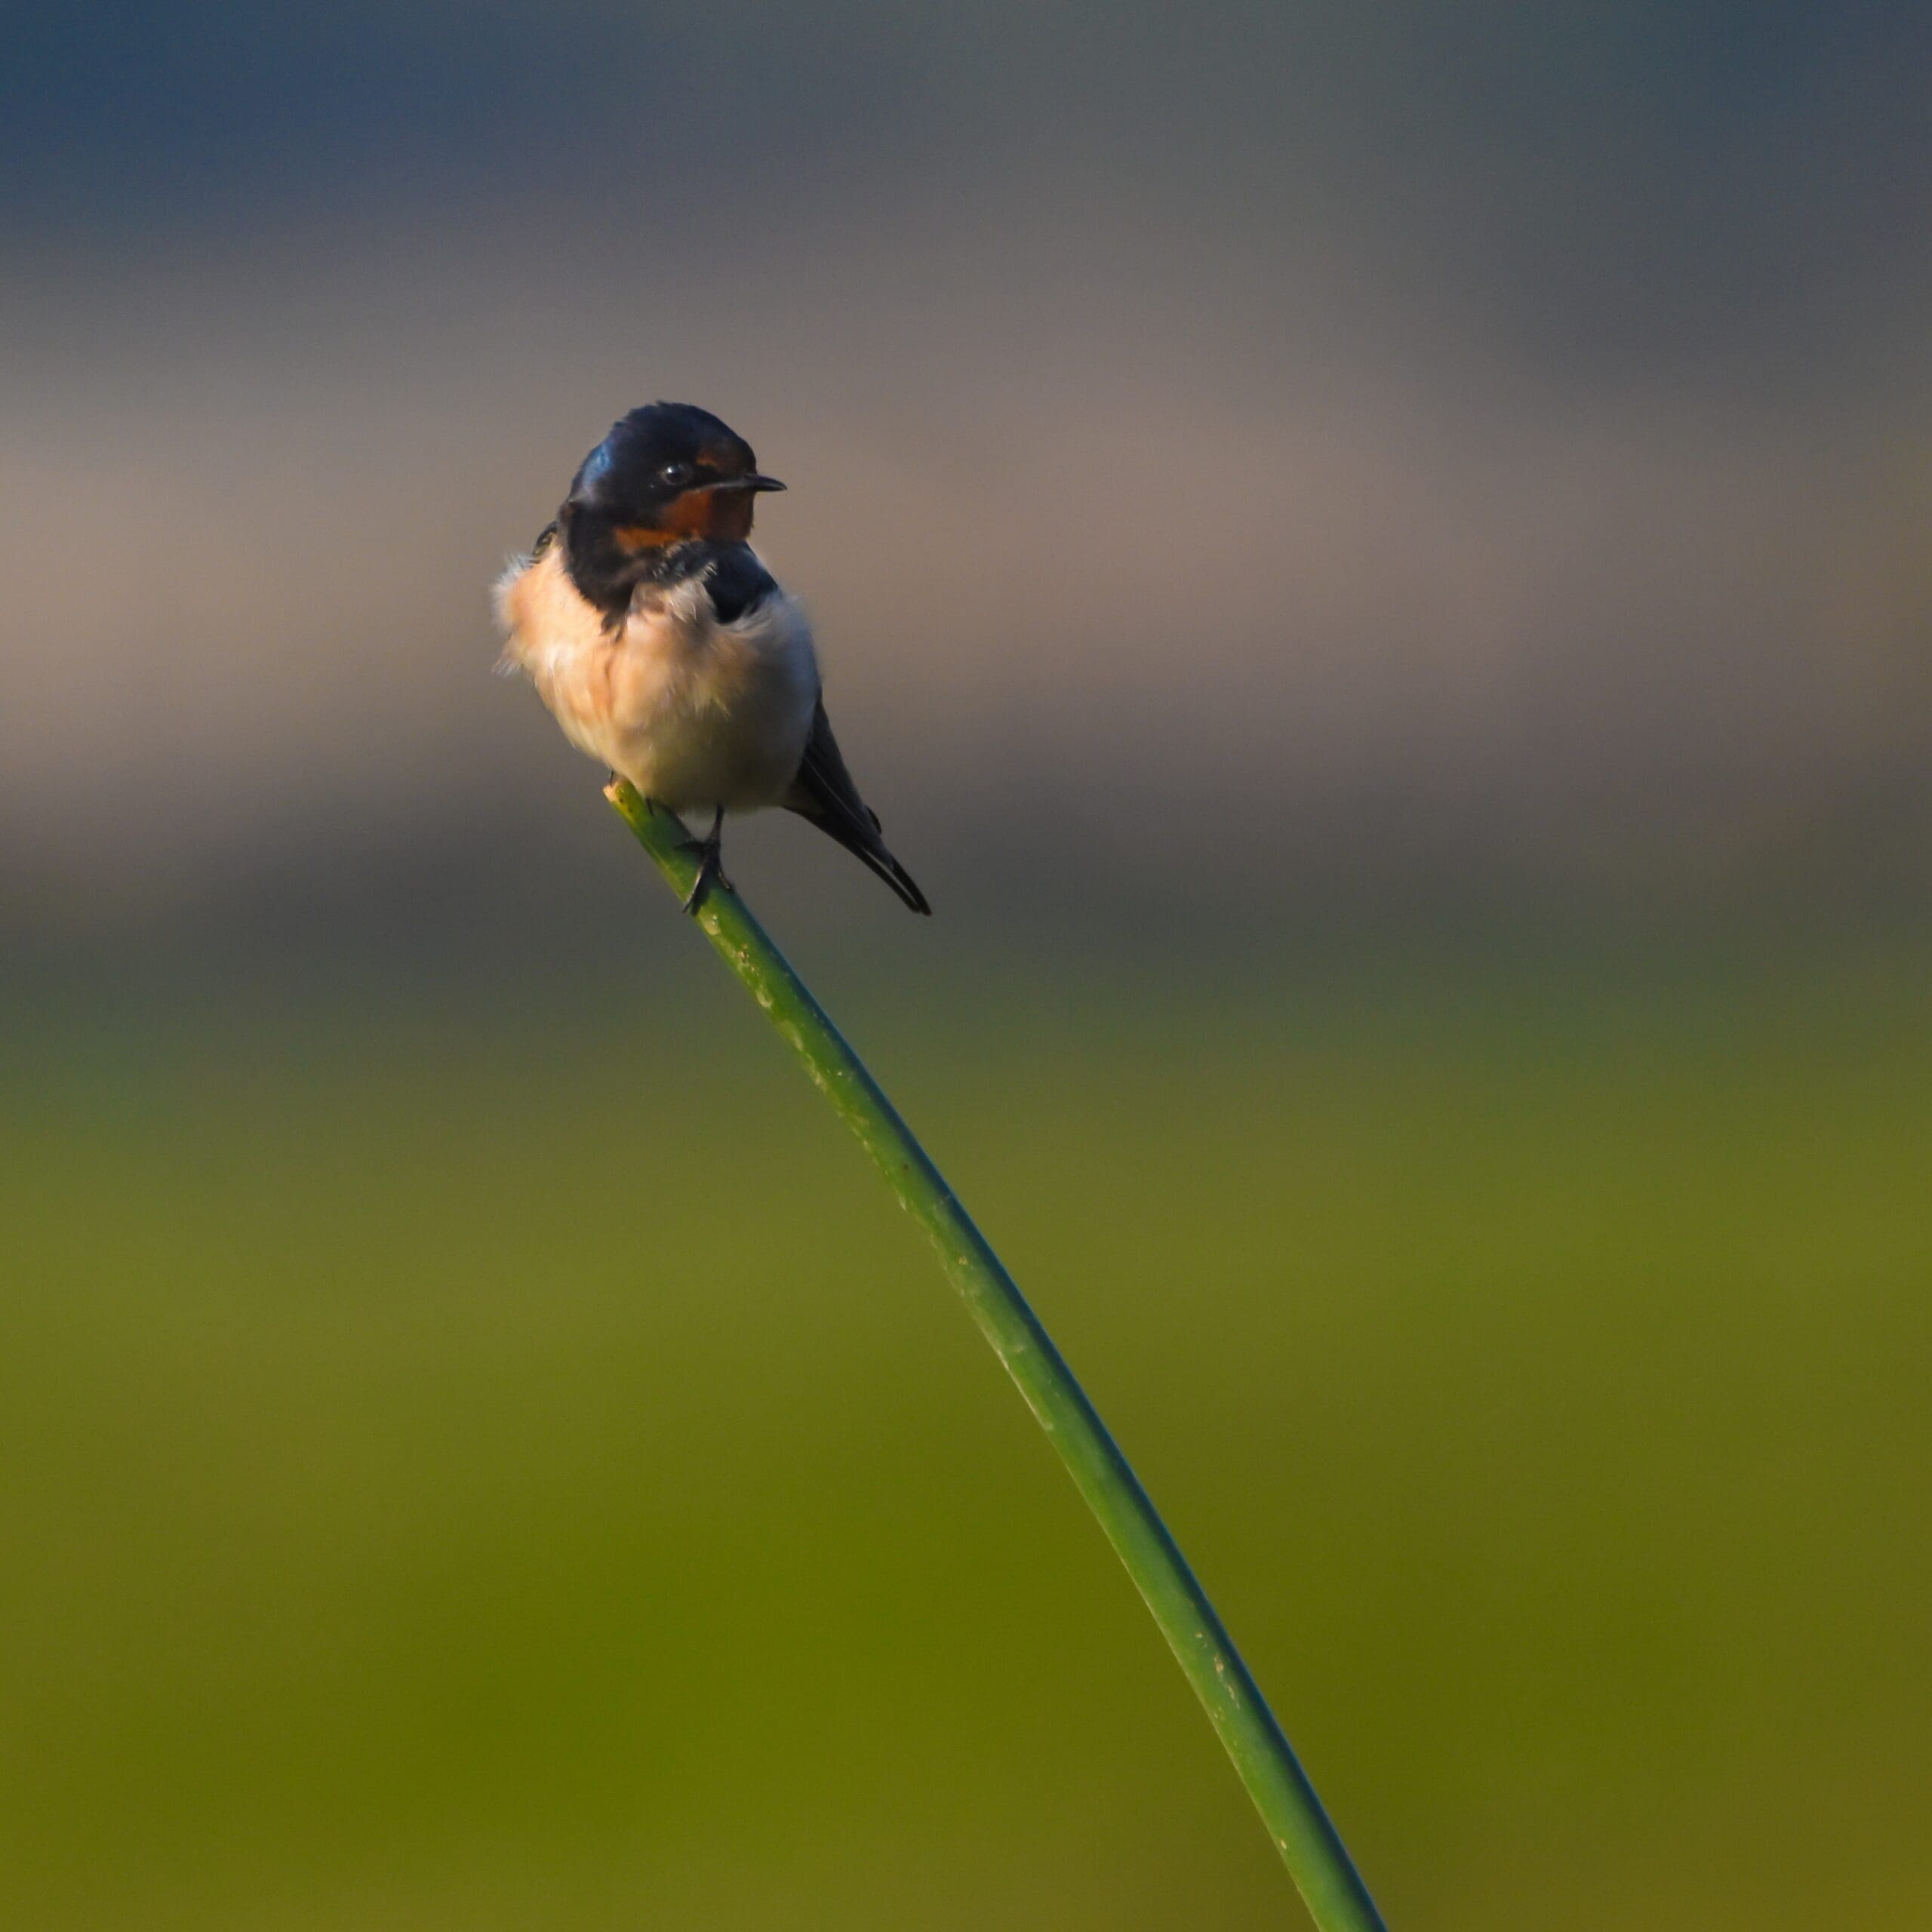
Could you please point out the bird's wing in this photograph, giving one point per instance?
(824, 793)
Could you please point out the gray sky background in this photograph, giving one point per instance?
(1464, 451)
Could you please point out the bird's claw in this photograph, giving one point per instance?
(709, 852)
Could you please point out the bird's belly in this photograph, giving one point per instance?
(693, 712)
(742, 753)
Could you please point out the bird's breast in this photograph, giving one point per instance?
(693, 712)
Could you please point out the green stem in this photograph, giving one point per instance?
(1315, 1855)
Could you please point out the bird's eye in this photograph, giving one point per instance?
(674, 475)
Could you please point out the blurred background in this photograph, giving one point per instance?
(1372, 561)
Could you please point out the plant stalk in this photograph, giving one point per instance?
(1314, 1853)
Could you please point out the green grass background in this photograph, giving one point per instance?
(506, 1463)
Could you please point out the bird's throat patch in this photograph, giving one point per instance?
(714, 516)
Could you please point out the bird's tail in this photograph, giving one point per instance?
(865, 844)
(823, 792)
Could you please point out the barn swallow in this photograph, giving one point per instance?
(666, 650)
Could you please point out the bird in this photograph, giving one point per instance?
(668, 652)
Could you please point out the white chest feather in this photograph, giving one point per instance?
(693, 712)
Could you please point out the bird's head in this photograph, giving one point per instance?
(666, 475)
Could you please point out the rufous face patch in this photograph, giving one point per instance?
(719, 516)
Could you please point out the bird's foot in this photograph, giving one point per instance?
(709, 851)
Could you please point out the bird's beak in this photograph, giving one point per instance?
(752, 482)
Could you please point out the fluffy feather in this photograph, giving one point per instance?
(695, 713)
